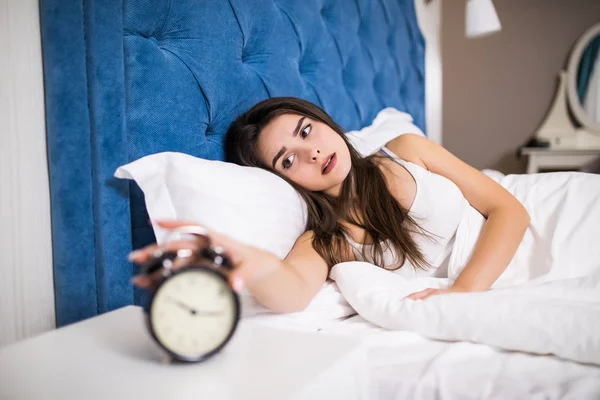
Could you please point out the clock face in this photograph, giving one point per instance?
(193, 313)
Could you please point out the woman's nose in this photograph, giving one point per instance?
(315, 154)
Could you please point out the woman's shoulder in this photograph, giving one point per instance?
(408, 147)
(304, 252)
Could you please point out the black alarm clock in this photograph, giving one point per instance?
(193, 311)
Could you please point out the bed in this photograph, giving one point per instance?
(129, 78)
(405, 365)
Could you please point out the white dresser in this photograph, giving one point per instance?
(544, 158)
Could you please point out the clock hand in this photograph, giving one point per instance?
(193, 311)
(211, 313)
(183, 305)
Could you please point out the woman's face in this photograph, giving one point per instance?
(305, 151)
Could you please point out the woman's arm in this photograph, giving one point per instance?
(507, 219)
(280, 285)
(296, 281)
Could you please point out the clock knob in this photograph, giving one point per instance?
(216, 256)
(159, 260)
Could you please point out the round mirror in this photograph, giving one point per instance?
(584, 80)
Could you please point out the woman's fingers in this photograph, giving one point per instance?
(422, 294)
(142, 255)
(172, 224)
(142, 281)
(236, 281)
(234, 250)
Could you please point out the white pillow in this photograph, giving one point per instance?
(558, 317)
(387, 125)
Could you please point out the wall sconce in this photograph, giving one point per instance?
(481, 18)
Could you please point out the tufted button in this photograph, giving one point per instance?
(390, 42)
(150, 37)
(324, 4)
(303, 66)
(361, 33)
(380, 83)
(325, 9)
(248, 57)
(244, 53)
(400, 71)
(303, 71)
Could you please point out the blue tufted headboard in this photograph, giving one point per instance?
(127, 78)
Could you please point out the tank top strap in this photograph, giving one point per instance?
(407, 164)
(415, 170)
(389, 154)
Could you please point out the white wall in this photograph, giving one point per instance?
(26, 285)
(429, 16)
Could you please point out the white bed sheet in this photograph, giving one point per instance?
(405, 365)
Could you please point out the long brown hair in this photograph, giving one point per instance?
(370, 208)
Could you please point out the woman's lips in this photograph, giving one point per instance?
(329, 164)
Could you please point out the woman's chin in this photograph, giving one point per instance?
(335, 188)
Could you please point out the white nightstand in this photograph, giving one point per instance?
(540, 158)
(112, 357)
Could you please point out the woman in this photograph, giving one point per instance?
(399, 209)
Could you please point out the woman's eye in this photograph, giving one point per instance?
(306, 131)
(287, 162)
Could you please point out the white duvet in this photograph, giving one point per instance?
(547, 301)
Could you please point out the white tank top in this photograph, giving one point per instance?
(438, 207)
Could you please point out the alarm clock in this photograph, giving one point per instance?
(193, 311)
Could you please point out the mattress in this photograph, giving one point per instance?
(405, 365)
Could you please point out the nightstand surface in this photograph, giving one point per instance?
(113, 356)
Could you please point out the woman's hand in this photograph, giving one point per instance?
(423, 294)
(250, 264)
